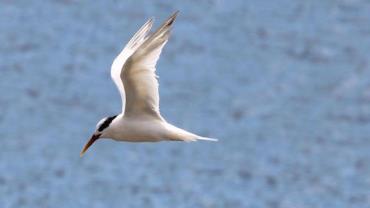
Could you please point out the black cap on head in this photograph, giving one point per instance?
(106, 123)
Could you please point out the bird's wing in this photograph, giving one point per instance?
(117, 65)
(139, 78)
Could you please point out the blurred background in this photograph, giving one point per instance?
(284, 85)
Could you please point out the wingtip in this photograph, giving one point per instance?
(172, 18)
(176, 13)
(151, 19)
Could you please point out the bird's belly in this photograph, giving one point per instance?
(140, 132)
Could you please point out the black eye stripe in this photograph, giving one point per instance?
(106, 123)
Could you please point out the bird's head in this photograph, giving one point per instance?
(101, 130)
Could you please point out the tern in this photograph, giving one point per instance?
(133, 72)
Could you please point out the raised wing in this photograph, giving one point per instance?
(126, 52)
(138, 75)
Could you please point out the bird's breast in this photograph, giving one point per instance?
(138, 131)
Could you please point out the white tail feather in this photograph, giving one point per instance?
(207, 139)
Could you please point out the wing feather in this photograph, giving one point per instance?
(138, 76)
(117, 65)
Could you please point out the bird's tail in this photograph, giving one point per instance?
(207, 139)
(177, 134)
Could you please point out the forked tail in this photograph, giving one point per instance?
(207, 139)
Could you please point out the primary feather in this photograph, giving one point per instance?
(126, 52)
(138, 74)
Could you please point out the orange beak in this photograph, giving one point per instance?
(91, 141)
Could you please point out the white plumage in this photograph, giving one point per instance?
(133, 71)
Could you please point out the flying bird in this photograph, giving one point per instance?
(133, 71)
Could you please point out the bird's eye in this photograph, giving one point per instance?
(98, 125)
(104, 123)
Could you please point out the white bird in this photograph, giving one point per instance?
(133, 71)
